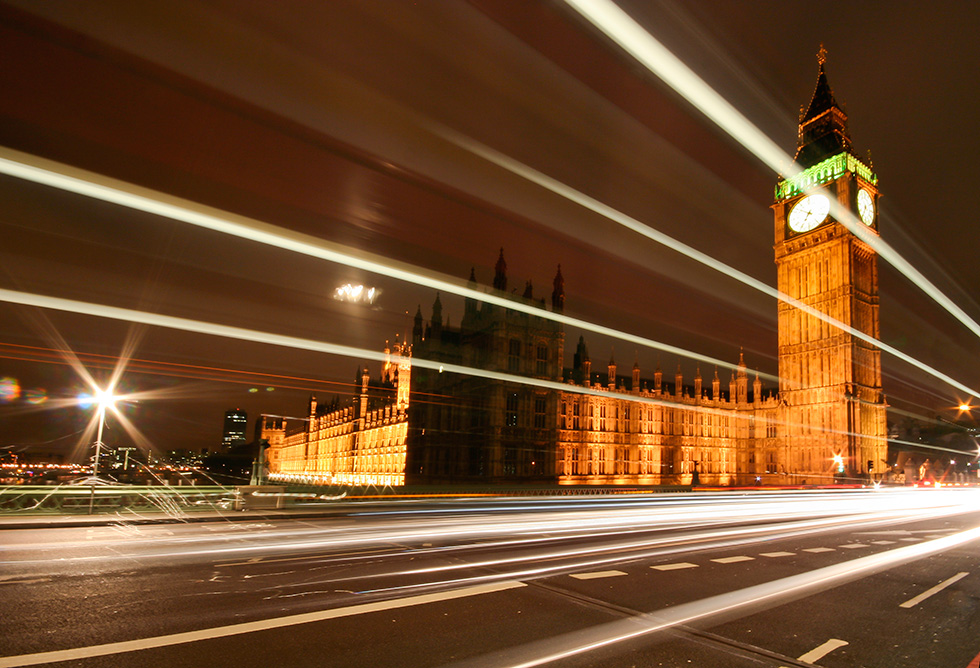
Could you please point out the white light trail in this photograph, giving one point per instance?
(631, 36)
(761, 596)
(606, 523)
(201, 327)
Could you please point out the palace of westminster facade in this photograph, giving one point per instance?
(524, 417)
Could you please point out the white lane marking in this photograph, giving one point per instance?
(597, 574)
(9, 580)
(248, 627)
(817, 550)
(935, 590)
(882, 542)
(819, 652)
(674, 567)
(852, 546)
(910, 540)
(732, 560)
(773, 555)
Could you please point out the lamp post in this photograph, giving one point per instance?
(105, 400)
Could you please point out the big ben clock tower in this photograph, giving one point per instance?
(830, 379)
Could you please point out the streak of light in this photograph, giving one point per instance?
(635, 40)
(572, 521)
(756, 597)
(169, 369)
(586, 557)
(214, 329)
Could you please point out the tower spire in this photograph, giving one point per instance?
(823, 124)
(500, 273)
(558, 293)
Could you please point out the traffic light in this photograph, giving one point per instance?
(871, 465)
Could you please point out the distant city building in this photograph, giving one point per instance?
(236, 425)
(422, 423)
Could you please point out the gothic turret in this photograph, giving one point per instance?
(363, 407)
(741, 381)
(611, 373)
(716, 386)
(581, 354)
(500, 273)
(436, 321)
(697, 384)
(417, 326)
(678, 382)
(469, 304)
(558, 293)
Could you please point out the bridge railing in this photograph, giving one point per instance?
(72, 499)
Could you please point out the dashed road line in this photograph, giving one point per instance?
(852, 546)
(596, 575)
(732, 560)
(882, 542)
(911, 539)
(773, 555)
(935, 590)
(674, 567)
(818, 550)
(818, 653)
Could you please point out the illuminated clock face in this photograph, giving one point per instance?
(866, 207)
(809, 212)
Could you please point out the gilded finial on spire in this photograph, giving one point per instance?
(822, 55)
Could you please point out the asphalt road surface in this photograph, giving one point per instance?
(886, 579)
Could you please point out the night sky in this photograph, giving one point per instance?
(325, 118)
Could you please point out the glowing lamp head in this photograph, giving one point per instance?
(965, 407)
(104, 399)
